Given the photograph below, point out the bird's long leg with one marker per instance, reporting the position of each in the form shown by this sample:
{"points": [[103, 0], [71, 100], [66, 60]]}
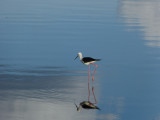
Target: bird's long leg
{"points": [[92, 84], [94, 95], [94, 71], [88, 84]]}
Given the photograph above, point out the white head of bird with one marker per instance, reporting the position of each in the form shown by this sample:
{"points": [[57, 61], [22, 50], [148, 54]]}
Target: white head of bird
{"points": [[79, 55]]}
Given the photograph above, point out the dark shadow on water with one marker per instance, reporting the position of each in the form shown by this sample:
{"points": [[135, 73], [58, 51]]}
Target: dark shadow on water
{"points": [[86, 105]]}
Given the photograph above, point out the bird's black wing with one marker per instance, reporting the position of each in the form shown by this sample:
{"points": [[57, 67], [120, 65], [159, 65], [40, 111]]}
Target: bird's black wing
{"points": [[88, 59]]}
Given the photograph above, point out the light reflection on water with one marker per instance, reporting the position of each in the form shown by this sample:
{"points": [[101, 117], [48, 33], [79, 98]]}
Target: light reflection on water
{"points": [[36, 94], [145, 15]]}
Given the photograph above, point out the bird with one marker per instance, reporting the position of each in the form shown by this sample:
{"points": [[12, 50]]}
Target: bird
{"points": [[86, 105], [88, 61]]}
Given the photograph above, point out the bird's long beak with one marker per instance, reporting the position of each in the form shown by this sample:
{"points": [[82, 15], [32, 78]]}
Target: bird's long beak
{"points": [[76, 57], [76, 105]]}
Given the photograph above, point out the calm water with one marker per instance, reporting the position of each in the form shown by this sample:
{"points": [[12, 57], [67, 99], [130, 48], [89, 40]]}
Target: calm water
{"points": [[39, 79]]}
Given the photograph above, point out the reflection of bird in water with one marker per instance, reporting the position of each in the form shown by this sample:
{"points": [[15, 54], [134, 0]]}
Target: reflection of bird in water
{"points": [[88, 61], [86, 105]]}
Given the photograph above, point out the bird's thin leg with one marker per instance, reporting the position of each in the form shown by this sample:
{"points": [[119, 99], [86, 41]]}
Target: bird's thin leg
{"points": [[94, 95], [88, 84], [94, 71]]}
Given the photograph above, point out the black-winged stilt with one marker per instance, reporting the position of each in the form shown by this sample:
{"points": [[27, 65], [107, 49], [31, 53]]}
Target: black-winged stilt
{"points": [[88, 61], [86, 105]]}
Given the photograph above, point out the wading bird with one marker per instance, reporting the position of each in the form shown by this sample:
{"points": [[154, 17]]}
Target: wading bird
{"points": [[88, 61]]}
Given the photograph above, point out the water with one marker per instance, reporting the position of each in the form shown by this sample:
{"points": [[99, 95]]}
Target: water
{"points": [[39, 40]]}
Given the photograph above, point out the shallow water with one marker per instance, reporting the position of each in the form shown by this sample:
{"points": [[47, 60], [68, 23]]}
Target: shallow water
{"points": [[39, 78]]}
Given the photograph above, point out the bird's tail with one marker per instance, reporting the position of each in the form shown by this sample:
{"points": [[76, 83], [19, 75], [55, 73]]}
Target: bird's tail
{"points": [[98, 59]]}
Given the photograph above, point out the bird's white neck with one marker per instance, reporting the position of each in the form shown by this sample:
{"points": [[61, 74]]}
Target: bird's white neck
{"points": [[80, 56]]}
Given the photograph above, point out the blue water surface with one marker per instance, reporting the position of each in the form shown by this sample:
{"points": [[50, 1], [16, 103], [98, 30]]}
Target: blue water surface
{"points": [[39, 78]]}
